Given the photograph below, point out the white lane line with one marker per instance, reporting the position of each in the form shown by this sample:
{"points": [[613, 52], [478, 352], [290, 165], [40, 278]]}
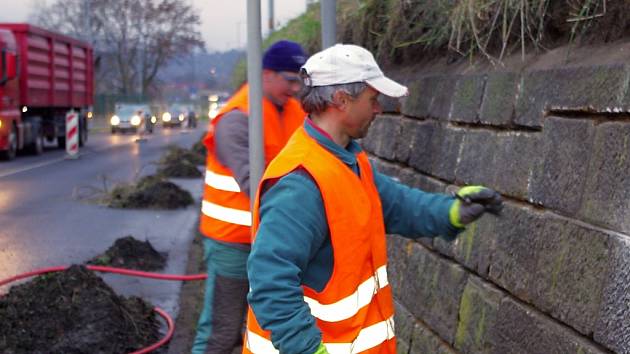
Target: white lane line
{"points": [[57, 160]]}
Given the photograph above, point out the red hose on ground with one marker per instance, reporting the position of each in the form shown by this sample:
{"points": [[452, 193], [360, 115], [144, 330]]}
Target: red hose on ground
{"points": [[167, 337], [122, 271]]}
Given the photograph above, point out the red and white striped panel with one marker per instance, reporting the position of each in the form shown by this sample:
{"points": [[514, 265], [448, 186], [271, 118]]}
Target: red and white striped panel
{"points": [[72, 133]]}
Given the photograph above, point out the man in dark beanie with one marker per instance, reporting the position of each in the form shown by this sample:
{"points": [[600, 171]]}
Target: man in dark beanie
{"points": [[225, 211]]}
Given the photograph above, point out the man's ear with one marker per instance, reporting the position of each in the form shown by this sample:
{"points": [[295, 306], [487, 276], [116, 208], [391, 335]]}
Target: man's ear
{"points": [[340, 99], [267, 74]]}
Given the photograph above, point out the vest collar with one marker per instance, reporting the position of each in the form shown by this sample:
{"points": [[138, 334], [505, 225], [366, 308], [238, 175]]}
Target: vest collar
{"points": [[347, 155]]}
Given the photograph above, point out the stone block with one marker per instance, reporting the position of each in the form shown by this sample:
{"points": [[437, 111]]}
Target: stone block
{"points": [[559, 177], [428, 184], [475, 246], [571, 272], [398, 252], [476, 163], [586, 89], [606, 198], [532, 98], [513, 262], [421, 92], [432, 290], [405, 325], [497, 106], [592, 88], [613, 326], [389, 104], [402, 348], [406, 140], [386, 168], [442, 97], [423, 151], [383, 136], [447, 148], [466, 99], [407, 177], [477, 317], [516, 157], [521, 329], [425, 341]]}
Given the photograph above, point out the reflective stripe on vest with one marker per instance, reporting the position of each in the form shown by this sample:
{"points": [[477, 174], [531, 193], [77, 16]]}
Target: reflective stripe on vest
{"points": [[222, 182], [234, 216], [369, 337], [225, 213], [350, 306]]}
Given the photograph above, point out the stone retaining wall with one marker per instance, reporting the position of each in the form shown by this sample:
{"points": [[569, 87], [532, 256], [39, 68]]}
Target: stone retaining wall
{"points": [[552, 274]]}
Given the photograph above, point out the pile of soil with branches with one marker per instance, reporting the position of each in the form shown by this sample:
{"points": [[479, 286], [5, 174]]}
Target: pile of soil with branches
{"points": [[73, 312], [200, 149], [180, 162], [152, 192], [128, 252]]}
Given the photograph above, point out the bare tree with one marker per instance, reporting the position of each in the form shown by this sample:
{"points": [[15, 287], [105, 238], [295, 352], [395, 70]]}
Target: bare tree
{"points": [[133, 39]]}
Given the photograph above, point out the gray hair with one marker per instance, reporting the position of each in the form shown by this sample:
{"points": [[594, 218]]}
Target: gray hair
{"points": [[316, 99]]}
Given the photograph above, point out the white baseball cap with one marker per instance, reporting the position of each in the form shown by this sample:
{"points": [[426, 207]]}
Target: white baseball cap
{"points": [[348, 63]]}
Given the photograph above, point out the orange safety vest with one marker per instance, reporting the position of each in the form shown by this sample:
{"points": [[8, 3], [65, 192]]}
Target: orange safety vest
{"points": [[225, 209], [355, 310]]}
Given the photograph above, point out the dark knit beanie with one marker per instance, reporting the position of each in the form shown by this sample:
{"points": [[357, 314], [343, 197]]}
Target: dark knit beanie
{"points": [[284, 56]]}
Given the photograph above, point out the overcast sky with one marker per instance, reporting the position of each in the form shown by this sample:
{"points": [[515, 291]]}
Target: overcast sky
{"points": [[223, 22]]}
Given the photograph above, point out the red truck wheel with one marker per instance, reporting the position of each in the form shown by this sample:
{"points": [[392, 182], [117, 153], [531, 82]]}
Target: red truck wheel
{"points": [[9, 154], [37, 147]]}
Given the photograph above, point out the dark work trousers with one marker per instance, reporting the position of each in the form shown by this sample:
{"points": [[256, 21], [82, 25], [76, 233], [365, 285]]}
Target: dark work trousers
{"points": [[220, 325]]}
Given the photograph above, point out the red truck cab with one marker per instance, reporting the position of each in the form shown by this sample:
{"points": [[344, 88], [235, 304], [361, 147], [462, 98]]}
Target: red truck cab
{"points": [[9, 93], [43, 75]]}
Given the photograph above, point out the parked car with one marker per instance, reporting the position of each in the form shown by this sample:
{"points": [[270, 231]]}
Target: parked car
{"points": [[132, 117]]}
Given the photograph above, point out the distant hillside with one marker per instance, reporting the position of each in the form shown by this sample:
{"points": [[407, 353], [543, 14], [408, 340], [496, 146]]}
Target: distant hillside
{"points": [[213, 69]]}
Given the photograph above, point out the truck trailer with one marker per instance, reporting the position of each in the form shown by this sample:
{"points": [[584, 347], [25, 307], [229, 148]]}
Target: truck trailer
{"points": [[43, 76]]}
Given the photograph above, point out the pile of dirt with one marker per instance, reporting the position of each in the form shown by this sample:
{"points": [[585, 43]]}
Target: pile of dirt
{"points": [[153, 192], [180, 162], [73, 312], [127, 252], [200, 148]]}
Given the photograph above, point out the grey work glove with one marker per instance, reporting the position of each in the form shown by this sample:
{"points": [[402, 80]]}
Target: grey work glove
{"points": [[472, 202]]}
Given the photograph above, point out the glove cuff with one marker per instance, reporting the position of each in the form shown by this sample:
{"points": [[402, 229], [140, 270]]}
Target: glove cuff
{"points": [[453, 214], [321, 349]]}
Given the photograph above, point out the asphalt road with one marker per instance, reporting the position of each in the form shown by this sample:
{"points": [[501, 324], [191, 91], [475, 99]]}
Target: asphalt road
{"points": [[46, 219]]}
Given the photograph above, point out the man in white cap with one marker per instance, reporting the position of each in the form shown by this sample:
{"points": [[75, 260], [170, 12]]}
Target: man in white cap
{"points": [[317, 270]]}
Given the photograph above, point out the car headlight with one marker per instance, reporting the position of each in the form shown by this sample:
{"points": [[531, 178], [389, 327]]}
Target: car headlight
{"points": [[114, 120], [181, 117], [166, 117], [135, 120], [153, 119]]}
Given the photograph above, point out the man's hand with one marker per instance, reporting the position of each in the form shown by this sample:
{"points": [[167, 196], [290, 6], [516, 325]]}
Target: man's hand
{"points": [[472, 202], [321, 349]]}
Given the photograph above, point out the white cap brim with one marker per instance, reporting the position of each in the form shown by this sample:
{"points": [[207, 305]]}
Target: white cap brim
{"points": [[388, 87]]}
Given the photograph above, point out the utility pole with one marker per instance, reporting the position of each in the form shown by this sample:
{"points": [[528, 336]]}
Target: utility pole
{"points": [[254, 79], [328, 10], [271, 16], [87, 30]]}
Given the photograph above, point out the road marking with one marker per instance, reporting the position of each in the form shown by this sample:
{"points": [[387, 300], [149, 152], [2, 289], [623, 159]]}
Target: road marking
{"points": [[37, 165], [59, 159]]}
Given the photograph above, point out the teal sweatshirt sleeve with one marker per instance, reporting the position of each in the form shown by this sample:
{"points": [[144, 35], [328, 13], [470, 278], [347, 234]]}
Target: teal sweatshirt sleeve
{"points": [[292, 230], [413, 213]]}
